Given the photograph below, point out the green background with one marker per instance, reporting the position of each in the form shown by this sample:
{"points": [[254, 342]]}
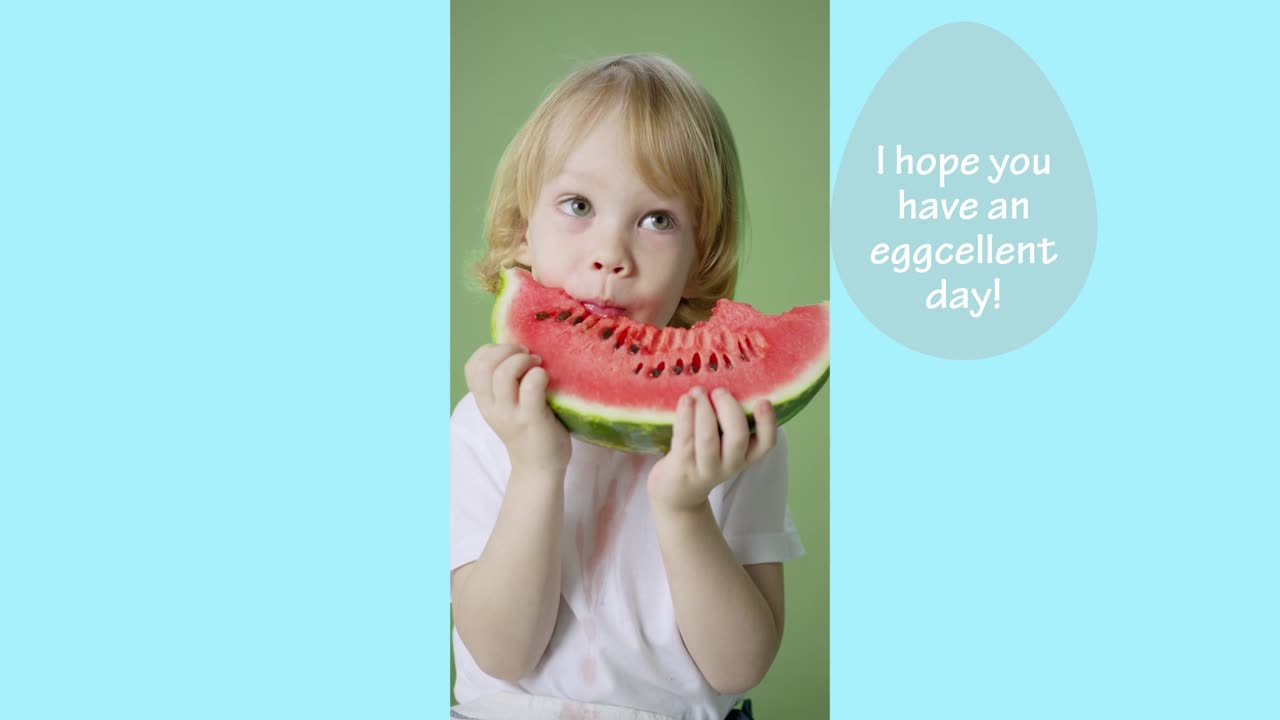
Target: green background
{"points": [[766, 64]]}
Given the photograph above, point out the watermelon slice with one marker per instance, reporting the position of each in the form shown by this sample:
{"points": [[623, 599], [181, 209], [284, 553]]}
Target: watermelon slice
{"points": [[615, 382]]}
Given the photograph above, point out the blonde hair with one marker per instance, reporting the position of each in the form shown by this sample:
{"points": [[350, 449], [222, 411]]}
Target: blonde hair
{"points": [[680, 140]]}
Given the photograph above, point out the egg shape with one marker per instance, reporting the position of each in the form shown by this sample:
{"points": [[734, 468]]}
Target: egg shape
{"points": [[963, 219]]}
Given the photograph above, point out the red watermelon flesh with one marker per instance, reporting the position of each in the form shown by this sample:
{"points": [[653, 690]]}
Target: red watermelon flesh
{"points": [[616, 382]]}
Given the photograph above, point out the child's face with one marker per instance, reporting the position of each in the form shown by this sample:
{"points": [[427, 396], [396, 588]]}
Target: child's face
{"points": [[598, 232]]}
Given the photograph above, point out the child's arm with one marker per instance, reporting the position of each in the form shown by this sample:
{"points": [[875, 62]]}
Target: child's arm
{"points": [[505, 603], [730, 616]]}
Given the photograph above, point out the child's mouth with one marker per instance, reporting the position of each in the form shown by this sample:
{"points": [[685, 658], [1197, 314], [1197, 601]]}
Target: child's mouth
{"points": [[609, 311]]}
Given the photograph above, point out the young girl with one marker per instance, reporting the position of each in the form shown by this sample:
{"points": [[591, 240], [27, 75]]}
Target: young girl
{"points": [[587, 582]]}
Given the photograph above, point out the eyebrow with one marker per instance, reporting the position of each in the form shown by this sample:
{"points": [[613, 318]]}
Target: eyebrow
{"points": [[577, 178], [585, 180]]}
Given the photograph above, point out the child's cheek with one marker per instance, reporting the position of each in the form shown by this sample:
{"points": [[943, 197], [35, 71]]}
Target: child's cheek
{"points": [[571, 224], [672, 245]]}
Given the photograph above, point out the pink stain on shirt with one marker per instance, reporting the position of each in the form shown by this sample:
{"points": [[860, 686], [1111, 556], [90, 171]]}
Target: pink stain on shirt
{"points": [[618, 491], [574, 711], [612, 490]]}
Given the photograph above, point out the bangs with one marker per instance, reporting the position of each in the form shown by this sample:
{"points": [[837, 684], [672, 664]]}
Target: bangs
{"points": [[675, 154], [671, 131]]}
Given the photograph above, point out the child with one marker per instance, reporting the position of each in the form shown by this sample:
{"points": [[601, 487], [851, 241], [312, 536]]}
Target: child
{"points": [[587, 582]]}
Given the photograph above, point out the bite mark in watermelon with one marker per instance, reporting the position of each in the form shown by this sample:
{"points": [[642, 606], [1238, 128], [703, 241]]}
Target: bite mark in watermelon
{"points": [[615, 382]]}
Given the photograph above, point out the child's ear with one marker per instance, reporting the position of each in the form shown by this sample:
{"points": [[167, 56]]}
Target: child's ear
{"points": [[522, 252]]}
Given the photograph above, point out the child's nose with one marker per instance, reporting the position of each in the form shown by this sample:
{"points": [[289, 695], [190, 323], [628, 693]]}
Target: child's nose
{"points": [[610, 255], [616, 267]]}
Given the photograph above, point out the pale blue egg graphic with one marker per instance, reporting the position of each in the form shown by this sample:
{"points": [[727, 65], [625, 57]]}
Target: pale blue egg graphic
{"points": [[964, 222]]}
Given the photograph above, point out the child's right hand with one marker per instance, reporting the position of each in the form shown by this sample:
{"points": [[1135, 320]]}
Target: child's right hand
{"points": [[511, 391]]}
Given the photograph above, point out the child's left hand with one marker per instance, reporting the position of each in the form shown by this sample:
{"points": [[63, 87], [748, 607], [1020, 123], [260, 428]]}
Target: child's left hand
{"points": [[709, 444]]}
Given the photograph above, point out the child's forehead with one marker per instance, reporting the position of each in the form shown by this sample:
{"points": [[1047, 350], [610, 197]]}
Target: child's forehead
{"points": [[573, 125], [567, 157], [583, 173], [588, 180]]}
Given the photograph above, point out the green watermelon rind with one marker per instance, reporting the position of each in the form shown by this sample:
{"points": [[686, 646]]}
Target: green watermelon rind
{"points": [[623, 433], [620, 433]]}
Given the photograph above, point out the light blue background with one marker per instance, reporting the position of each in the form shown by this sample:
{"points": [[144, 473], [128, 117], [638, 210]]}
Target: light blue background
{"points": [[223, 397], [222, 421], [1085, 527]]}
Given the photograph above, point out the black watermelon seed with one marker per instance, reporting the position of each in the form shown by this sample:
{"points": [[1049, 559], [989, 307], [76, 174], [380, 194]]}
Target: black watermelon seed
{"points": [[578, 320], [657, 371], [542, 316], [678, 367], [563, 314], [634, 348], [742, 356], [606, 333], [712, 364]]}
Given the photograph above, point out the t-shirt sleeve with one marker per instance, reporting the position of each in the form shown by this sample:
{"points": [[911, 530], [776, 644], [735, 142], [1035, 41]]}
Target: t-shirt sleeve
{"points": [[478, 472], [753, 511]]}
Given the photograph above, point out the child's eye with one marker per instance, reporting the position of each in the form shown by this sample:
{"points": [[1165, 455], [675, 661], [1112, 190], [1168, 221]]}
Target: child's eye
{"points": [[658, 221], [578, 206]]}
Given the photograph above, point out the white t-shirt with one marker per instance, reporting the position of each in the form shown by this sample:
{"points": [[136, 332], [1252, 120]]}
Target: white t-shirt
{"points": [[615, 640]]}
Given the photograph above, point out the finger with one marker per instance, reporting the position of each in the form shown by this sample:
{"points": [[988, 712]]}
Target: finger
{"points": [[506, 378], [733, 423], [682, 430], [479, 368], [766, 434], [706, 435], [533, 388], [486, 357]]}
